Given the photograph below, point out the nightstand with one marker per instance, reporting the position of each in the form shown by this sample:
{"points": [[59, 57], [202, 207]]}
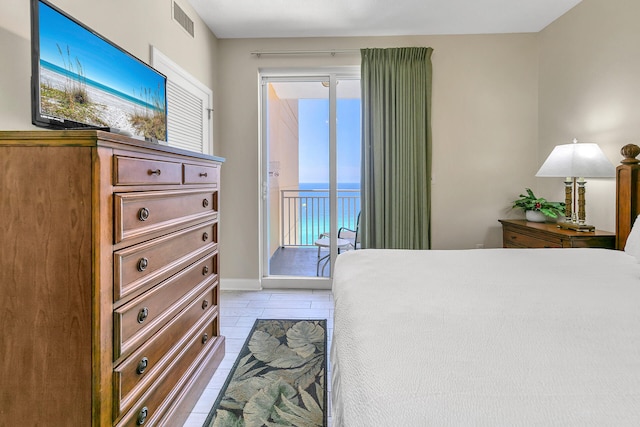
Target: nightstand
{"points": [[518, 233]]}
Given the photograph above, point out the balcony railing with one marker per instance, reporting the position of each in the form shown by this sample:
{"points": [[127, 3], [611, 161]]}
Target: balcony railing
{"points": [[304, 214]]}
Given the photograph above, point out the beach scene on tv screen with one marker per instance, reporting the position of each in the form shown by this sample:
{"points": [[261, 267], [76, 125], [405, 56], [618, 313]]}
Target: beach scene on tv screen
{"points": [[87, 80]]}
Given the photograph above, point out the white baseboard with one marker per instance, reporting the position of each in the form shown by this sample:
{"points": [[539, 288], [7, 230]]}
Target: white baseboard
{"points": [[240, 285]]}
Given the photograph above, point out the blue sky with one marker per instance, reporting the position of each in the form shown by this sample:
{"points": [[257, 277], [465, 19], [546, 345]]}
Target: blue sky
{"points": [[313, 128], [100, 61]]}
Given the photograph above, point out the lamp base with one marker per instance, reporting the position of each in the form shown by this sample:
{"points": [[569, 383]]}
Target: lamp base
{"points": [[576, 227]]}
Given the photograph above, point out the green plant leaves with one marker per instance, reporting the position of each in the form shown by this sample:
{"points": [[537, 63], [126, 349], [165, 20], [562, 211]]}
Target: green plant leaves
{"points": [[260, 407], [279, 377], [530, 202], [269, 350], [227, 419], [310, 415], [304, 338]]}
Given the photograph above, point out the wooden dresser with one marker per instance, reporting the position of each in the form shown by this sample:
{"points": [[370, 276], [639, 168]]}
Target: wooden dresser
{"points": [[109, 269], [523, 234]]}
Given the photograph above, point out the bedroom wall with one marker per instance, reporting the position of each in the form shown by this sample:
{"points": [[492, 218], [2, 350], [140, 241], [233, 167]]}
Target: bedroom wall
{"points": [[134, 26], [590, 90], [501, 103], [485, 123]]}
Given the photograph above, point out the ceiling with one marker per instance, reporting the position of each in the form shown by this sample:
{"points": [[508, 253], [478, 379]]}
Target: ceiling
{"points": [[340, 18]]}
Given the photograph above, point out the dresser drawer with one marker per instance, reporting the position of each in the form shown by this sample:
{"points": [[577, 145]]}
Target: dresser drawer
{"points": [[139, 319], [140, 267], [135, 171], [140, 214], [135, 373], [521, 240], [159, 396], [198, 174]]}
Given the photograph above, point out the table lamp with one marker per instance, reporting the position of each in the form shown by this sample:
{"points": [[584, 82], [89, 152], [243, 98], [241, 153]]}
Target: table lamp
{"points": [[575, 162]]}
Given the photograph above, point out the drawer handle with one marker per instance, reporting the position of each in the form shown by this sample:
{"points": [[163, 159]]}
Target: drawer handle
{"points": [[205, 338], [143, 214], [205, 236], [205, 304], [156, 172], [142, 314], [203, 174], [143, 263], [205, 270], [142, 365], [142, 416], [205, 203]]}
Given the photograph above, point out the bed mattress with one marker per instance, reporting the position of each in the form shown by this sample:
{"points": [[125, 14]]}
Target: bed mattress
{"points": [[495, 337]]}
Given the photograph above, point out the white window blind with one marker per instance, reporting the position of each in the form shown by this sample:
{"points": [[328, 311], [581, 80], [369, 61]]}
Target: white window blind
{"points": [[189, 103]]}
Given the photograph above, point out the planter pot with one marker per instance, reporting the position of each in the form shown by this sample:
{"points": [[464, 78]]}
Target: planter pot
{"points": [[535, 216]]}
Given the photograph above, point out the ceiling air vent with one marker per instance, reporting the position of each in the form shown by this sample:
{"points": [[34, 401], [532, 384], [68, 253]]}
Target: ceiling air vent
{"points": [[182, 18]]}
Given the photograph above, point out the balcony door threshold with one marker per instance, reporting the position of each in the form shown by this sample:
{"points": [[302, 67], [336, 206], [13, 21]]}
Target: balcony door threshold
{"points": [[294, 282]]}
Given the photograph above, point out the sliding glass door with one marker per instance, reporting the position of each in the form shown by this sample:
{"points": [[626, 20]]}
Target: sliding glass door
{"points": [[311, 172]]}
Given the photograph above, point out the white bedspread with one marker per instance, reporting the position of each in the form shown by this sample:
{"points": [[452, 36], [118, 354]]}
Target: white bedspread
{"points": [[491, 337]]}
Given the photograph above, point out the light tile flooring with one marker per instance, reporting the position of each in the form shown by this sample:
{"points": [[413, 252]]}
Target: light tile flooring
{"points": [[239, 311]]}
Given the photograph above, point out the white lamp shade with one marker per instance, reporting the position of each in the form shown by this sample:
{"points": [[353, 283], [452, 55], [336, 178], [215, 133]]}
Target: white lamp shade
{"points": [[584, 160]]}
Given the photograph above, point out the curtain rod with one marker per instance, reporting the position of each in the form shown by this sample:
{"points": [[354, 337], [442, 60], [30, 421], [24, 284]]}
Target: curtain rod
{"points": [[331, 52]]}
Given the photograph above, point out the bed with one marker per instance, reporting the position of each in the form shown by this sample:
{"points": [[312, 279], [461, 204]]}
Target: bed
{"points": [[492, 337]]}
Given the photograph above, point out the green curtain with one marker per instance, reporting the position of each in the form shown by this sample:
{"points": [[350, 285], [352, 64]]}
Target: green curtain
{"points": [[396, 148]]}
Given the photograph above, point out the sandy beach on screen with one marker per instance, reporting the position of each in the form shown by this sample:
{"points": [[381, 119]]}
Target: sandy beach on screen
{"points": [[110, 108]]}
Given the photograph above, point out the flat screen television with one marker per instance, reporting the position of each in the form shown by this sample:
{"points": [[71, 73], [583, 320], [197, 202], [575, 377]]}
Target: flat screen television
{"points": [[81, 80]]}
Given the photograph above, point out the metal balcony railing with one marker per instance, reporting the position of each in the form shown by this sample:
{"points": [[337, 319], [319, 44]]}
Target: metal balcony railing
{"points": [[304, 214]]}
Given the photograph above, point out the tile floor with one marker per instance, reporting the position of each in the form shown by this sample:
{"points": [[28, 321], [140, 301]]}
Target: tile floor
{"points": [[239, 310]]}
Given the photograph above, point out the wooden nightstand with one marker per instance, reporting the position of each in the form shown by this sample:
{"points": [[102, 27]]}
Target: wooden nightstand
{"points": [[518, 233]]}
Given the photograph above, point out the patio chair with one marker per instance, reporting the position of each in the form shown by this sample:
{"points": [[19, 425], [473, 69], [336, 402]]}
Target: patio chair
{"points": [[351, 235], [324, 241], [347, 239]]}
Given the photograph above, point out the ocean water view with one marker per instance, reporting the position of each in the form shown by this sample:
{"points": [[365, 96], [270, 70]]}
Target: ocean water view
{"points": [[307, 211]]}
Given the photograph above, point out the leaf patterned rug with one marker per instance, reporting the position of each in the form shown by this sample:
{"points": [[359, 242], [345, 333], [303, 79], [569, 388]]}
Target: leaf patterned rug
{"points": [[279, 378]]}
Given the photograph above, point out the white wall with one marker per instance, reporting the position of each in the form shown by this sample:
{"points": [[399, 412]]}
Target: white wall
{"points": [[501, 102], [500, 105], [133, 25], [590, 89], [484, 124]]}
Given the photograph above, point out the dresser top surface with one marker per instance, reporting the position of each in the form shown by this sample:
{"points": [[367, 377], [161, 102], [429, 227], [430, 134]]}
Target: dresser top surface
{"points": [[552, 227], [90, 138]]}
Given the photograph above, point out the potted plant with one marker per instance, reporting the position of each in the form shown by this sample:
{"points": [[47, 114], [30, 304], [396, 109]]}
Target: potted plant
{"points": [[538, 209]]}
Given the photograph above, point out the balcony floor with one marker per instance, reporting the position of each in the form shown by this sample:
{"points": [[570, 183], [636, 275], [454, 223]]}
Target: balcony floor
{"points": [[297, 261]]}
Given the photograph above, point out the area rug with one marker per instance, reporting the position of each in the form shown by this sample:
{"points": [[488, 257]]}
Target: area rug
{"points": [[279, 378]]}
